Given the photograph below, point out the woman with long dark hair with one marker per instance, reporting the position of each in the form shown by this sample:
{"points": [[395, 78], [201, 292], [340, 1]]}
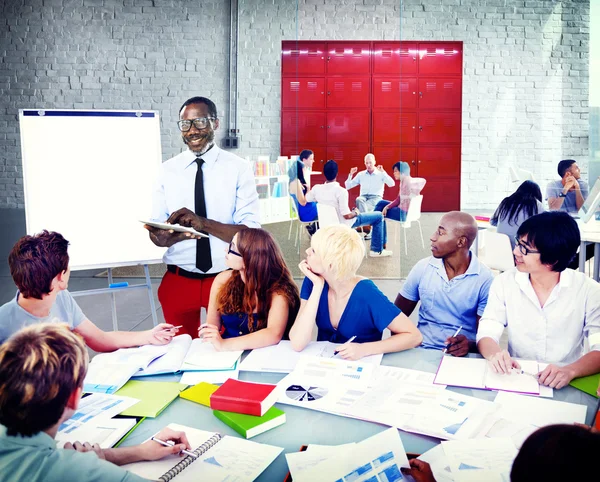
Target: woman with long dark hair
{"points": [[253, 304], [525, 202], [307, 211]]}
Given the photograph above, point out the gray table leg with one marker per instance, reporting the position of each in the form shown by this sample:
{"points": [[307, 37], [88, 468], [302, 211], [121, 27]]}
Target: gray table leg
{"points": [[596, 261], [582, 256]]}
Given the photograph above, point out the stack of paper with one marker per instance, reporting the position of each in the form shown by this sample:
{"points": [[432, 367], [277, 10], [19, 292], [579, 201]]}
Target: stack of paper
{"points": [[380, 457]]}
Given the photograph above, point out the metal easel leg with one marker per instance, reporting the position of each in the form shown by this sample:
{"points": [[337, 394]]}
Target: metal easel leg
{"points": [[150, 295], [113, 301]]}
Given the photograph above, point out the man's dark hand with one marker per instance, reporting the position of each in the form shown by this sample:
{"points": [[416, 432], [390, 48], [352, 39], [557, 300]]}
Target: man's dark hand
{"points": [[165, 238], [185, 217], [420, 471], [459, 345]]}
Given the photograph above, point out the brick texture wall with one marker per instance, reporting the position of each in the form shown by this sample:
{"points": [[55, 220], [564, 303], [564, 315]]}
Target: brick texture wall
{"points": [[525, 92]]}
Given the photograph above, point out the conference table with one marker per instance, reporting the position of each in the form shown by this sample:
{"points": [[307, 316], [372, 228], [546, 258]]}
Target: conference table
{"points": [[304, 426]]}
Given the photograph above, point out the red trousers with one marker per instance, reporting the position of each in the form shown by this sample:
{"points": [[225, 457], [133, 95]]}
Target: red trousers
{"points": [[181, 299]]}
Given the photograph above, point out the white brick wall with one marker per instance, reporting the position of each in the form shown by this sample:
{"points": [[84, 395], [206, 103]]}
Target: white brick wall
{"points": [[525, 92]]}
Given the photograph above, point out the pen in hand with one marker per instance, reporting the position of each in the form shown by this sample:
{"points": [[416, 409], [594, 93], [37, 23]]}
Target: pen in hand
{"points": [[349, 341], [453, 336], [170, 443]]}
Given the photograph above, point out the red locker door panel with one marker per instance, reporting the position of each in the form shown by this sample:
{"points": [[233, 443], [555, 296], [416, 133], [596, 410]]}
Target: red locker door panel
{"points": [[303, 93], [348, 92], [398, 58], [387, 156], [395, 127], [303, 57], [440, 196], [439, 128], [440, 93], [440, 58], [349, 58], [348, 127], [439, 163], [391, 93], [304, 127]]}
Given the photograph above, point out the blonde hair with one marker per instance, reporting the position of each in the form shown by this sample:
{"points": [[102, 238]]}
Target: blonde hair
{"points": [[340, 248], [40, 367]]}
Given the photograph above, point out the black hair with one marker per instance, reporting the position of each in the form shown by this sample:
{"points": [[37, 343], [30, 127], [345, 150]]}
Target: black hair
{"points": [[555, 235], [212, 108], [525, 199], [556, 453], [305, 154], [564, 165], [330, 170], [297, 172], [396, 166]]}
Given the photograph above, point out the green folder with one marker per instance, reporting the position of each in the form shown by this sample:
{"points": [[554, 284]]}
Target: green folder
{"points": [[153, 397], [587, 384], [249, 425]]}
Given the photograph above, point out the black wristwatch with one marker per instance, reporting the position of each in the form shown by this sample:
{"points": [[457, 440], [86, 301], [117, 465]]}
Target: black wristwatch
{"points": [[562, 194]]}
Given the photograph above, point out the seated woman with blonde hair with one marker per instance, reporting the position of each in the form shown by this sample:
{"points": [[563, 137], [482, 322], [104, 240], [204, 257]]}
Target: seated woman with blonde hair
{"points": [[344, 305], [251, 305]]}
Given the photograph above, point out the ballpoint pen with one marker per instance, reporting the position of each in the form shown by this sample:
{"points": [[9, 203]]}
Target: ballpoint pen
{"points": [[349, 341], [455, 334], [520, 371], [170, 443]]}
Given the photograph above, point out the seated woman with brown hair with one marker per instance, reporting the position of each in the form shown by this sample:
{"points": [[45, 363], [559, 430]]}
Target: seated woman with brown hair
{"points": [[253, 304]]}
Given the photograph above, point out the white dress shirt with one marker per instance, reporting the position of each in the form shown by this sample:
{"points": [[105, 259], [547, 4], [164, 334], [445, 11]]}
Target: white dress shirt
{"points": [[371, 183], [554, 333], [229, 192], [332, 194]]}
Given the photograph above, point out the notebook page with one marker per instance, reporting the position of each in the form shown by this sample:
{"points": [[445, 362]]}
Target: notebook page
{"points": [[171, 361], [461, 372], [203, 356], [515, 382]]}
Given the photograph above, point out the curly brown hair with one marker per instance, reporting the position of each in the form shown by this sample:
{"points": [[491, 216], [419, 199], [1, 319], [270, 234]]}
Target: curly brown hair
{"points": [[266, 275]]}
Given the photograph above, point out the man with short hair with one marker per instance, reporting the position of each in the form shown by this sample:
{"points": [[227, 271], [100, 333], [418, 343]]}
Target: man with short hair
{"points": [[212, 191], [549, 309], [371, 182], [570, 191], [452, 286], [39, 266], [42, 369], [332, 194]]}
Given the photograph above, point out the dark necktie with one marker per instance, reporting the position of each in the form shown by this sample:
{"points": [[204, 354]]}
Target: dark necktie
{"points": [[203, 257]]}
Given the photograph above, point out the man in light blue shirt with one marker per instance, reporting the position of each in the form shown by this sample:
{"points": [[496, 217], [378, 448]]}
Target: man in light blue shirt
{"points": [[371, 183], [212, 191], [42, 369], [452, 286]]}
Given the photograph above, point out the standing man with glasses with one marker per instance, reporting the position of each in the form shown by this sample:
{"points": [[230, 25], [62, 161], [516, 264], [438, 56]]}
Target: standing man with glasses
{"points": [[212, 191], [549, 309]]}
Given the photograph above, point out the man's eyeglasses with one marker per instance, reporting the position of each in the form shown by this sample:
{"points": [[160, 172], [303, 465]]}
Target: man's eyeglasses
{"points": [[524, 249], [231, 251], [199, 123]]}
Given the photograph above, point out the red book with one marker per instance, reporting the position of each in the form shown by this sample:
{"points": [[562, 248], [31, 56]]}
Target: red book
{"points": [[244, 397]]}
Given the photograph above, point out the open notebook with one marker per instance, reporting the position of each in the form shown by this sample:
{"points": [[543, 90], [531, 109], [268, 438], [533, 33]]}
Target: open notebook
{"points": [[219, 458], [110, 371]]}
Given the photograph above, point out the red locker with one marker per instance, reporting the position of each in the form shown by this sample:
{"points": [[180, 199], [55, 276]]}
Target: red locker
{"points": [[349, 58], [440, 196], [347, 92], [349, 127], [304, 127], [390, 93], [440, 58], [397, 58], [303, 93], [440, 93], [439, 127], [303, 58], [395, 127], [439, 163]]}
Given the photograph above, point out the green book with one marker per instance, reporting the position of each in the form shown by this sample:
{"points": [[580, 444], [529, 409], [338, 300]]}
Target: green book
{"points": [[249, 425], [587, 384]]}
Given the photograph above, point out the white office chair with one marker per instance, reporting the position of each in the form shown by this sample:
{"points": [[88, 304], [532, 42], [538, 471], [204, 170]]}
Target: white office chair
{"points": [[328, 217], [498, 253], [413, 214], [299, 225]]}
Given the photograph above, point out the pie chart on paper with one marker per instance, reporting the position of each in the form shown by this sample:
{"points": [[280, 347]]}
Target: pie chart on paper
{"points": [[303, 394]]}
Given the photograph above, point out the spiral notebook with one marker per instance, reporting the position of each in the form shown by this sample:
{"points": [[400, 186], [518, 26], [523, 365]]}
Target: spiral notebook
{"points": [[220, 458]]}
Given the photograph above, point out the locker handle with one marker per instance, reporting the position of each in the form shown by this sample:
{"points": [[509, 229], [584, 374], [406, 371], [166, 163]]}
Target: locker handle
{"points": [[420, 128], [328, 127], [413, 162], [414, 59], [322, 127], [419, 161], [328, 93], [420, 94], [322, 93]]}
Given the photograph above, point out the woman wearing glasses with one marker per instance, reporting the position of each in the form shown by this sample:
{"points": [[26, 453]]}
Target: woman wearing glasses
{"points": [[346, 308], [252, 304]]}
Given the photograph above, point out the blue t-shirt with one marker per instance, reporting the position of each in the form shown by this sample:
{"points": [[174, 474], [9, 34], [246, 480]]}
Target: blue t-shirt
{"points": [[447, 304], [366, 315], [13, 317], [236, 324]]}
